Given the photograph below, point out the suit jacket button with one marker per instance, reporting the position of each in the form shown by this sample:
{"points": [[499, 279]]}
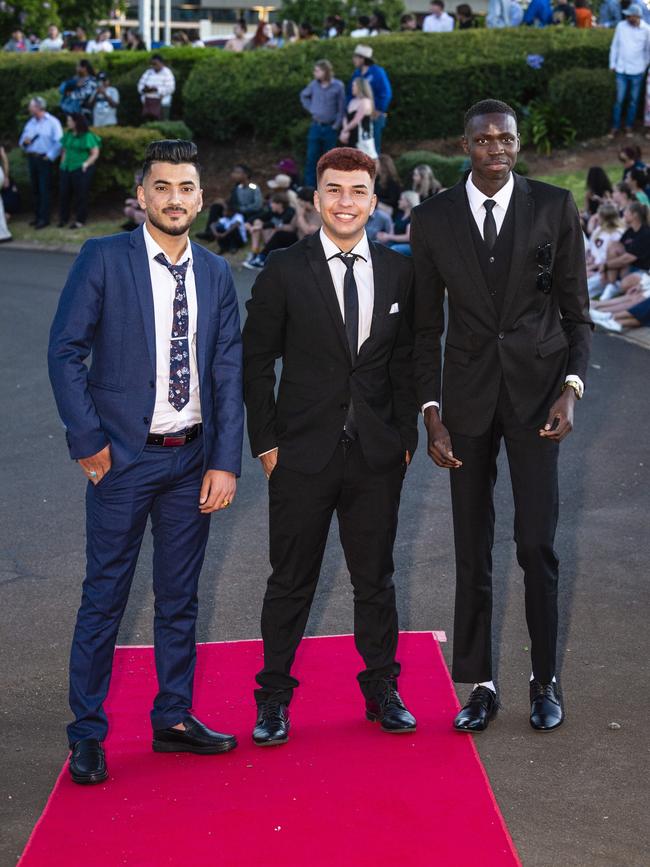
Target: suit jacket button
{"points": [[146, 419], [491, 260], [501, 335], [151, 383], [344, 406]]}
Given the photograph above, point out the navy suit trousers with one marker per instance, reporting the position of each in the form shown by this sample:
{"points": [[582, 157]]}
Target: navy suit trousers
{"points": [[163, 483]]}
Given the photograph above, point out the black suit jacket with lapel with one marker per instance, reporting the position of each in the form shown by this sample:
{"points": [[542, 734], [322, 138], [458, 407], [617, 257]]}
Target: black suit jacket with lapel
{"points": [[536, 340], [294, 314]]}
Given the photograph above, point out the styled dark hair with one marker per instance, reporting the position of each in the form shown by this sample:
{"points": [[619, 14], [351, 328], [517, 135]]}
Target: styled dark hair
{"points": [[245, 169], [346, 160], [380, 19], [87, 65], [440, 3], [281, 198], [174, 151], [363, 20], [158, 57], [639, 176], [632, 152], [488, 106], [306, 194], [598, 182], [80, 122]]}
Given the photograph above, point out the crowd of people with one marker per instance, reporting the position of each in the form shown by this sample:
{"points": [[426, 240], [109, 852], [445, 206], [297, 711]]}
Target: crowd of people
{"points": [[615, 219]]}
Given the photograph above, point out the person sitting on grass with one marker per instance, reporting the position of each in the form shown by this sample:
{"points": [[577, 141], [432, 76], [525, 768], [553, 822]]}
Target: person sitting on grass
{"points": [[635, 316], [631, 253], [245, 198], [638, 180], [400, 238], [134, 214], [229, 231], [608, 230], [425, 183], [598, 190], [280, 217]]}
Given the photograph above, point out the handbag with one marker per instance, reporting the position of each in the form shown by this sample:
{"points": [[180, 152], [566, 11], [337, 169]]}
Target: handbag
{"points": [[366, 142], [11, 199], [152, 108]]}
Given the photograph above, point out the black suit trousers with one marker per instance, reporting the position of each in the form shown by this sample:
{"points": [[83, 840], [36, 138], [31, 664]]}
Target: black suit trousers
{"points": [[300, 513], [534, 477]]}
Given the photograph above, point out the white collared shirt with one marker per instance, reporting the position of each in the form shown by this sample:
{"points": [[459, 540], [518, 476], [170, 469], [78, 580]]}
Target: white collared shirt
{"points": [[629, 53], [165, 418], [438, 23], [477, 201], [363, 278]]}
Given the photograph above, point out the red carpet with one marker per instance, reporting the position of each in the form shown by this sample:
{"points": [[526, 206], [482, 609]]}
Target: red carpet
{"points": [[341, 793]]}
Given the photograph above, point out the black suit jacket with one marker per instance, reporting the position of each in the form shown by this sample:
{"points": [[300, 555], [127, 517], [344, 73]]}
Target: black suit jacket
{"points": [[294, 314], [536, 340]]}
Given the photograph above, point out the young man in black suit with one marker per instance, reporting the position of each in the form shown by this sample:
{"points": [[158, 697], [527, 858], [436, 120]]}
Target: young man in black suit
{"points": [[339, 435], [510, 254]]}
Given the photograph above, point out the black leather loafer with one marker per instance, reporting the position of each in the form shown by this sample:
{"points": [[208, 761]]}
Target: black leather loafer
{"points": [[388, 709], [481, 707], [195, 738], [546, 711], [88, 763], [272, 725]]}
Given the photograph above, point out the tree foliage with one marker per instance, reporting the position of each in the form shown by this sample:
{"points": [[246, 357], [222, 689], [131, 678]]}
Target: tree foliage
{"points": [[34, 16], [315, 11]]}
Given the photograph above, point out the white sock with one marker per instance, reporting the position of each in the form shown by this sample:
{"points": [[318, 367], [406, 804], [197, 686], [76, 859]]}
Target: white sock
{"points": [[489, 684], [553, 680]]}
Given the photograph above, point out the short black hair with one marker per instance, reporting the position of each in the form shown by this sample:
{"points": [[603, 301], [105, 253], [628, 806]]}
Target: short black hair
{"points": [[170, 150], [158, 57], [488, 106], [247, 170]]}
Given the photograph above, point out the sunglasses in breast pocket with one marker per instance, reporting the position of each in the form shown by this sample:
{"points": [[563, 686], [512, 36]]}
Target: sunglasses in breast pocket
{"points": [[544, 259]]}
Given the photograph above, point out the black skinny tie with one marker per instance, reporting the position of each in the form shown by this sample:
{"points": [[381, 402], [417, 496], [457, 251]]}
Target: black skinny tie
{"points": [[350, 302], [489, 224]]}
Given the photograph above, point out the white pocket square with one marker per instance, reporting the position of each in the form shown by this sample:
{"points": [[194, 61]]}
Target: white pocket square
{"points": [[394, 308]]}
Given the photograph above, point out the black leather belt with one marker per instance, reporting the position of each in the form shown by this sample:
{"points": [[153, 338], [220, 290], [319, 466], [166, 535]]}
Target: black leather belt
{"points": [[181, 438]]}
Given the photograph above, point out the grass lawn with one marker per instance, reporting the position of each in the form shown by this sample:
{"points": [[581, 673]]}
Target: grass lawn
{"points": [[575, 181]]}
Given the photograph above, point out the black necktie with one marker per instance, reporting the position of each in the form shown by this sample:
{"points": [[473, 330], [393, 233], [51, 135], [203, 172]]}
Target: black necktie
{"points": [[489, 224], [350, 302]]}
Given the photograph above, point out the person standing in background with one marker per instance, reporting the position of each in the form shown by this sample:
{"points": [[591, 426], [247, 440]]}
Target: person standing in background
{"points": [[324, 99], [629, 56], [382, 91], [438, 21], [41, 141], [156, 88], [79, 153], [53, 41]]}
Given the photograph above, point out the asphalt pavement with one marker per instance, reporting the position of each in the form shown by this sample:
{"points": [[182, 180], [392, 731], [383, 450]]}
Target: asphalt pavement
{"points": [[578, 796]]}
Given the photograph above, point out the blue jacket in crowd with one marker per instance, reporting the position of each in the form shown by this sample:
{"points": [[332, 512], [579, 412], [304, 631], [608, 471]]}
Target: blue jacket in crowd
{"points": [[538, 13]]}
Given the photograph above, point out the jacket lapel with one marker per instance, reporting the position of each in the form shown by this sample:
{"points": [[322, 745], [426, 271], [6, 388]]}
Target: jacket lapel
{"points": [[320, 268], [459, 217], [524, 216], [381, 286], [144, 292], [203, 298]]}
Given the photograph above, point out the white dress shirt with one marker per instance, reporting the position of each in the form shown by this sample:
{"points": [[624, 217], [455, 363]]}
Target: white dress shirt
{"points": [[629, 53], [438, 23], [165, 418], [477, 201]]}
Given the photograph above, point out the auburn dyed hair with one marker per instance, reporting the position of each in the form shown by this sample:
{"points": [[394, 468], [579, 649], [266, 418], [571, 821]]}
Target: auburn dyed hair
{"points": [[346, 160]]}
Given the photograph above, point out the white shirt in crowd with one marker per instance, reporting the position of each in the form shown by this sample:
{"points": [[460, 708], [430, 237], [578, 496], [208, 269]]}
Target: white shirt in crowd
{"points": [[476, 201], [438, 23], [94, 46], [105, 114], [599, 241], [359, 33], [163, 81], [629, 53], [49, 44], [165, 418]]}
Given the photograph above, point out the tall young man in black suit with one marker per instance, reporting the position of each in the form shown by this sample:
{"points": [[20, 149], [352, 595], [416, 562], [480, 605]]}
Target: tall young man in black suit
{"points": [[510, 254], [338, 437]]}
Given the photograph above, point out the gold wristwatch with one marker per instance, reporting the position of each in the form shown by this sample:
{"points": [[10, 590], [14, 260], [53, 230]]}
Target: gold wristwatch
{"points": [[577, 388]]}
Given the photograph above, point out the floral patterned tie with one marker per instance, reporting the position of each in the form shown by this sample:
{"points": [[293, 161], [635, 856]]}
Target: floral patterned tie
{"points": [[179, 350]]}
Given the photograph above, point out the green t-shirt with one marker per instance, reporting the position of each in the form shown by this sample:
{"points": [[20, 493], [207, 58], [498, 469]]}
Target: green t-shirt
{"points": [[77, 148]]}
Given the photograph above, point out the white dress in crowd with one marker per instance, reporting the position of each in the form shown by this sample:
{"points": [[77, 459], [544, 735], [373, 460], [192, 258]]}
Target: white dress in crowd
{"points": [[4, 231]]}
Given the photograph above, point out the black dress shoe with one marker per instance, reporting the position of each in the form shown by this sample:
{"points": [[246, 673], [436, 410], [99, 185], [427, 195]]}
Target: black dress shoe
{"points": [[388, 708], [272, 725], [194, 738], [41, 225], [87, 762], [546, 712], [481, 707]]}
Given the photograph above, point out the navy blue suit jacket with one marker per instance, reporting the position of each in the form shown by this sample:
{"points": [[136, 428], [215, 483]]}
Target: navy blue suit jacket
{"points": [[107, 307]]}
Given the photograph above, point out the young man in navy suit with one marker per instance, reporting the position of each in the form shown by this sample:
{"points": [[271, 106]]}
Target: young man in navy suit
{"points": [[156, 425]]}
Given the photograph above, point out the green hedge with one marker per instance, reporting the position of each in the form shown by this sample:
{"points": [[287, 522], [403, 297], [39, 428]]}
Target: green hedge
{"points": [[435, 78], [585, 98], [22, 75]]}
